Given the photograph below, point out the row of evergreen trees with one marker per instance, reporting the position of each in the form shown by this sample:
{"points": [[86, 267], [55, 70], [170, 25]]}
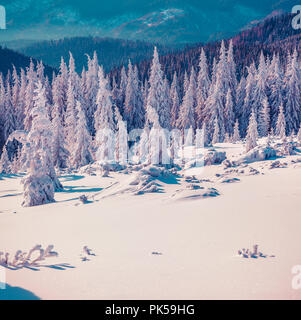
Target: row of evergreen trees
{"points": [[78, 106]]}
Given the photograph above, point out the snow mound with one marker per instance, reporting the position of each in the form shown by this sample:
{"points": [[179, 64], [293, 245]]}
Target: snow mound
{"points": [[286, 148], [230, 180], [196, 194], [259, 153]]}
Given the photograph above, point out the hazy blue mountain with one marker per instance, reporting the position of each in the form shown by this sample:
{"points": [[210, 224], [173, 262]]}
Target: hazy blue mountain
{"points": [[167, 21]]}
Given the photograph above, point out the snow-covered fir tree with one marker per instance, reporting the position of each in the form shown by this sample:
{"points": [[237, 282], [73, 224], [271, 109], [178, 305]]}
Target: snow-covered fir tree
{"points": [[281, 124], [275, 88], [41, 181], [133, 107], [252, 132], [157, 98], [292, 94], [29, 94], [103, 117], [216, 133], [60, 152], [81, 153], [186, 117], [121, 141], [236, 134], [175, 101], [203, 86], [70, 117], [4, 162], [229, 113], [264, 118]]}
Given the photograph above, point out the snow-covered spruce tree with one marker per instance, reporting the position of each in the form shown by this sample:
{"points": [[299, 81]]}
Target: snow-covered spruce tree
{"points": [[215, 112], [252, 133], [232, 71], [29, 94], [240, 97], [90, 89], [4, 162], [203, 86], [264, 118], [103, 117], [175, 101], [70, 117], [216, 101], [9, 115], [15, 96], [121, 142], [249, 98], [122, 90], [193, 85], [20, 104], [186, 117], [38, 187], [14, 166], [81, 154], [229, 113], [281, 124], [104, 122], [275, 88], [60, 153], [157, 98], [292, 94], [185, 83], [41, 181], [133, 107], [216, 133], [236, 135], [260, 88]]}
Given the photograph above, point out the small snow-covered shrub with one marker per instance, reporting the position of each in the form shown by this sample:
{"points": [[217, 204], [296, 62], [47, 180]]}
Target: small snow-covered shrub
{"points": [[214, 157], [83, 199], [248, 253], [32, 258]]}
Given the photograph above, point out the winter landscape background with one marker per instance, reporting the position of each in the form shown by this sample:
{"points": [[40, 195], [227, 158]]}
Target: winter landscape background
{"points": [[156, 169]]}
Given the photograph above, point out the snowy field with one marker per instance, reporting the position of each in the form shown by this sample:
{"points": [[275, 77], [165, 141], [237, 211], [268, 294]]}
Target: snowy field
{"points": [[180, 241]]}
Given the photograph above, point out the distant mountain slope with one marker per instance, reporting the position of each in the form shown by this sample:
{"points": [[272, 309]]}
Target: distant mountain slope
{"points": [[10, 58], [111, 52], [274, 34]]}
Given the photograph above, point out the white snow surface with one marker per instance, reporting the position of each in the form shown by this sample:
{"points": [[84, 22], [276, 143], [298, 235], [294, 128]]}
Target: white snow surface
{"points": [[197, 221]]}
